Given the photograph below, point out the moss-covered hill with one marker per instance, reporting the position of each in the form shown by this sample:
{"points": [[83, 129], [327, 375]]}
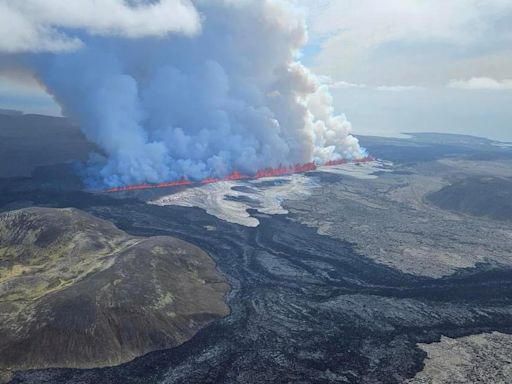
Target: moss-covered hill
{"points": [[75, 291]]}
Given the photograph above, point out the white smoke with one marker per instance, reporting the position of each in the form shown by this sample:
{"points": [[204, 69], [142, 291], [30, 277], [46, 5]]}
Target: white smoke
{"points": [[204, 101]]}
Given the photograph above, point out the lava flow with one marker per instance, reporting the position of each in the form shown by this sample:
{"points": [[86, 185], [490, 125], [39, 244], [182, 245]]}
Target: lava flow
{"points": [[262, 173]]}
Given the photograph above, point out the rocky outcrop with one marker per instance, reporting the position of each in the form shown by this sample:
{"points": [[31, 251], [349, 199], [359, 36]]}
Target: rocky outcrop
{"points": [[75, 291], [482, 358]]}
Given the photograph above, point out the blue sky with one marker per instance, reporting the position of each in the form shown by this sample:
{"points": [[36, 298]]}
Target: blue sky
{"points": [[17, 92], [409, 65], [392, 66]]}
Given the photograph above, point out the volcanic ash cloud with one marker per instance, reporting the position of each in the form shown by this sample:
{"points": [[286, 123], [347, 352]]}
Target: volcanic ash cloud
{"points": [[223, 91]]}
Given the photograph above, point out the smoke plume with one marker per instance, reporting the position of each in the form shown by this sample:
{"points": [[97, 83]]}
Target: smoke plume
{"points": [[223, 91]]}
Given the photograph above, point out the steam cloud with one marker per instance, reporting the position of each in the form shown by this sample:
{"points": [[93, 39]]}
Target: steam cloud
{"points": [[223, 90]]}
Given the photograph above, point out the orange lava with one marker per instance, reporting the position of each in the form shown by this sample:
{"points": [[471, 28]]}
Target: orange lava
{"points": [[267, 172]]}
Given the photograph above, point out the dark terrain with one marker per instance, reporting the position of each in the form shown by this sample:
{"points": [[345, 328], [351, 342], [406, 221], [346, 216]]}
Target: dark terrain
{"points": [[479, 196], [27, 141], [305, 308]]}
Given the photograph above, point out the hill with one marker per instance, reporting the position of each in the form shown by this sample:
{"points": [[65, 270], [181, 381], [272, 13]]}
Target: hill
{"points": [[478, 196], [75, 291]]}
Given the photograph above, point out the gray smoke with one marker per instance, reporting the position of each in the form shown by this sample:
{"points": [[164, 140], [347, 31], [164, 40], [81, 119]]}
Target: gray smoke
{"points": [[196, 100]]}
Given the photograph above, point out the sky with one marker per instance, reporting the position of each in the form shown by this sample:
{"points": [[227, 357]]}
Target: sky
{"points": [[42, 26], [392, 66], [416, 65]]}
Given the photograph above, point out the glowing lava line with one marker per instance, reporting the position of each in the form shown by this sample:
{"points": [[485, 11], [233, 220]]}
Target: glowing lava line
{"points": [[262, 173]]}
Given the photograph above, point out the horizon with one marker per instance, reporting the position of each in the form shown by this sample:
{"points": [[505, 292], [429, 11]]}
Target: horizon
{"points": [[400, 135]]}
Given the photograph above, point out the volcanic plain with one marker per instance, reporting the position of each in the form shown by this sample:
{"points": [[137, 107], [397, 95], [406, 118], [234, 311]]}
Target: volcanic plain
{"points": [[361, 275]]}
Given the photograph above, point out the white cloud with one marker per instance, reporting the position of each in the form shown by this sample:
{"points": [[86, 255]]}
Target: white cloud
{"points": [[35, 25], [481, 83], [389, 46], [340, 84], [410, 41], [328, 81], [345, 84], [398, 88]]}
